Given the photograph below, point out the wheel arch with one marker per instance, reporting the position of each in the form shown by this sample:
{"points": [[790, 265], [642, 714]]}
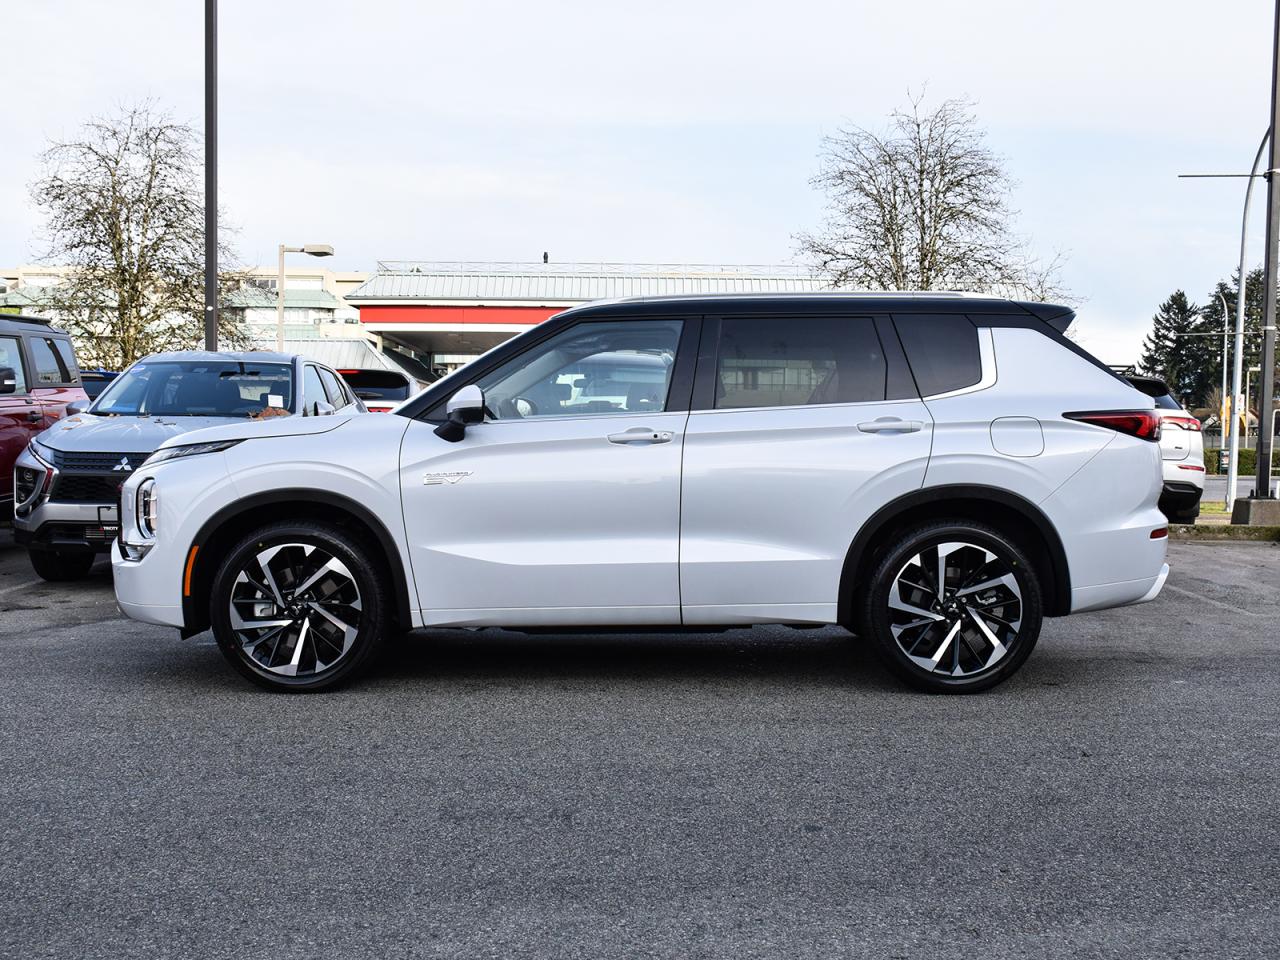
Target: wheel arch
{"points": [[233, 521], [1013, 515]]}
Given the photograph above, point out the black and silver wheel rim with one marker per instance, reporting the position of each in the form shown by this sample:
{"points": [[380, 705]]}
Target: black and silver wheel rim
{"points": [[955, 609], [295, 610]]}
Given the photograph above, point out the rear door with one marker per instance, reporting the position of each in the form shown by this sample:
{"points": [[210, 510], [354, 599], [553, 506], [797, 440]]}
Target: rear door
{"points": [[21, 417], [56, 378], [803, 426]]}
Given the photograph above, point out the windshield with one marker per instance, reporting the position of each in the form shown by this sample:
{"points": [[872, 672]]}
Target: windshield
{"points": [[199, 388], [377, 384]]}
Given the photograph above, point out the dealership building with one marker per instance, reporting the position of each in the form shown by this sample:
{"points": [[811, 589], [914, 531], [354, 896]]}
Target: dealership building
{"points": [[445, 314]]}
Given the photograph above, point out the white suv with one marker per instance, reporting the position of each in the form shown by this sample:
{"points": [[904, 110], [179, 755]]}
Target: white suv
{"points": [[1181, 451], [934, 472]]}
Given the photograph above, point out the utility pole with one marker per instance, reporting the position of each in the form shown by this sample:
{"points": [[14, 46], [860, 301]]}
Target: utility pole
{"points": [[1266, 424], [211, 174]]}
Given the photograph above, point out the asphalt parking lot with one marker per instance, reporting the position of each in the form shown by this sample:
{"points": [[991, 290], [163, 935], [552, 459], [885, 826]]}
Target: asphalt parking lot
{"points": [[763, 793]]}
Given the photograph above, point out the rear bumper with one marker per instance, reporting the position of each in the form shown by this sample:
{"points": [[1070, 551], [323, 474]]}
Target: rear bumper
{"points": [[1103, 596], [1180, 496]]}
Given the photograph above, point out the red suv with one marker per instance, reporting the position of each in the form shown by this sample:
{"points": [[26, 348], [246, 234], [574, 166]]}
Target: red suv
{"points": [[38, 378]]}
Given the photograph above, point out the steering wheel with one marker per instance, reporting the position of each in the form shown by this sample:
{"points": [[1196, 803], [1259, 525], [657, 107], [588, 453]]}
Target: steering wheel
{"points": [[517, 408]]}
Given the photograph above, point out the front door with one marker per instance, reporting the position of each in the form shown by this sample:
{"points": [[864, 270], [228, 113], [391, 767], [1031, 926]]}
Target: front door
{"points": [[21, 417], [563, 506], [802, 428]]}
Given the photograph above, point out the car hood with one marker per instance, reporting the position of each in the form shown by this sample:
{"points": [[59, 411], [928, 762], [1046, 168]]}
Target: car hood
{"points": [[294, 426], [85, 433]]}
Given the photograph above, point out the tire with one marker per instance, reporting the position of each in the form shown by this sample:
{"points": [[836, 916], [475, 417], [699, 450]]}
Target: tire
{"points": [[58, 567], [1185, 516], [952, 645], [310, 608]]}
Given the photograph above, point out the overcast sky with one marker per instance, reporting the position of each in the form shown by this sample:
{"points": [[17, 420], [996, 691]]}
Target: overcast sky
{"points": [[682, 131]]}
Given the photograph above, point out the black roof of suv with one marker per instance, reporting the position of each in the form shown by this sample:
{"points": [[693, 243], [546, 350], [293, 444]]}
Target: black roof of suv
{"points": [[25, 323]]}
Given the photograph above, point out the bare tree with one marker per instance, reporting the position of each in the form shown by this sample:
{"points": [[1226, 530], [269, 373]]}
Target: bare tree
{"points": [[921, 207], [124, 210]]}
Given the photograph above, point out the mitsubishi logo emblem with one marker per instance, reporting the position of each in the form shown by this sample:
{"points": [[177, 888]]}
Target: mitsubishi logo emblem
{"points": [[123, 465]]}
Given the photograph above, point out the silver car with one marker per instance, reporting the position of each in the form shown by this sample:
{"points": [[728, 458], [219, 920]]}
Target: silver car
{"points": [[67, 482]]}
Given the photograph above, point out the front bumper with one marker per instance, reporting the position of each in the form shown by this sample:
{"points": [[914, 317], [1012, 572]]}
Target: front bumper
{"points": [[68, 528], [141, 594], [47, 521]]}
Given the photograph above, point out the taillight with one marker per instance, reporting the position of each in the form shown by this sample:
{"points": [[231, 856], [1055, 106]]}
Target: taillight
{"points": [[1186, 423], [1143, 424]]}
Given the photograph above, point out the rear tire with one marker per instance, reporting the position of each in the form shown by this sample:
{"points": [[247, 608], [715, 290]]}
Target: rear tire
{"points": [[58, 567], [974, 632], [299, 606]]}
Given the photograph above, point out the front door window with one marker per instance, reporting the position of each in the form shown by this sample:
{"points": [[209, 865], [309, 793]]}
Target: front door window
{"points": [[615, 367]]}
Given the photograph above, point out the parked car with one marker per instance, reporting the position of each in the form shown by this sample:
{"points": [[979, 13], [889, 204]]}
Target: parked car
{"points": [[38, 379], [95, 381], [381, 390], [1181, 451], [68, 479], [936, 473]]}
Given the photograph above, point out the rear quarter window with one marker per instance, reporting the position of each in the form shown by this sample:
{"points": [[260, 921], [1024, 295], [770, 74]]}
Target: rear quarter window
{"points": [[942, 351]]}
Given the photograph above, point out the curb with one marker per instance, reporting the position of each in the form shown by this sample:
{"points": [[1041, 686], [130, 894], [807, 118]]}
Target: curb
{"points": [[1224, 531]]}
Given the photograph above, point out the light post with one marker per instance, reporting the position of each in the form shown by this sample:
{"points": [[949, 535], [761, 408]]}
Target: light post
{"points": [[311, 250], [1226, 352], [1237, 372], [211, 174]]}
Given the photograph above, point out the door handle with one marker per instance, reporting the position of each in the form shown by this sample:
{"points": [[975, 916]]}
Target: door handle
{"points": [[641, 435], [890, 425]]}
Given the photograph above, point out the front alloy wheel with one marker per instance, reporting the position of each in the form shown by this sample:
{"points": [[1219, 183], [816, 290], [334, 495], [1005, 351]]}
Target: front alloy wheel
{"points": [[295, 607], [956, 608]]}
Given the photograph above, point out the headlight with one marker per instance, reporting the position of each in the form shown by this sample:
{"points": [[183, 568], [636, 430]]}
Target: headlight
{"points": [[148, 511], [189, 450]]}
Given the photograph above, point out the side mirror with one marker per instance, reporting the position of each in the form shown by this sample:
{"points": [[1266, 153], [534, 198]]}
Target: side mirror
{"points": [[465, 406], [77, 406], [322, 409], [8, 380]]}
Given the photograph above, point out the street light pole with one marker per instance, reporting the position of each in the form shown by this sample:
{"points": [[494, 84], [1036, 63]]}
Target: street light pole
{"points": [[211, 174], [312, 250], [1266, 426], [1222, 396], [1237, 371]]}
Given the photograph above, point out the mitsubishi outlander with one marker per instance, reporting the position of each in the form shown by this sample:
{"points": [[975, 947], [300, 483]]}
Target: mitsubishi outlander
{"points": [[935, 472]]}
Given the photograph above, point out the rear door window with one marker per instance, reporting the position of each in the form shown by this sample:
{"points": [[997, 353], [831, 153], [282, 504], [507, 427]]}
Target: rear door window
{"points": [[68, 358], [942, 350], [336, 395], [798, 361], [313, 389], [49, 369]]}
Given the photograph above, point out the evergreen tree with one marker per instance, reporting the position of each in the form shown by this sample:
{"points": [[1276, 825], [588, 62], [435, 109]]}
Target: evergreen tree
{"points": [[1174, 353], [1253, 298]]}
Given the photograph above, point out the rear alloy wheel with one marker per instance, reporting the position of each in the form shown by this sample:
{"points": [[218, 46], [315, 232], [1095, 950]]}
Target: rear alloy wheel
{"points": [[954, 607], [298, 607]]}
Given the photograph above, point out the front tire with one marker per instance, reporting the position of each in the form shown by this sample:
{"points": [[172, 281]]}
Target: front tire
{"points": [[58, 567], [953, 607], [298, 606]]}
